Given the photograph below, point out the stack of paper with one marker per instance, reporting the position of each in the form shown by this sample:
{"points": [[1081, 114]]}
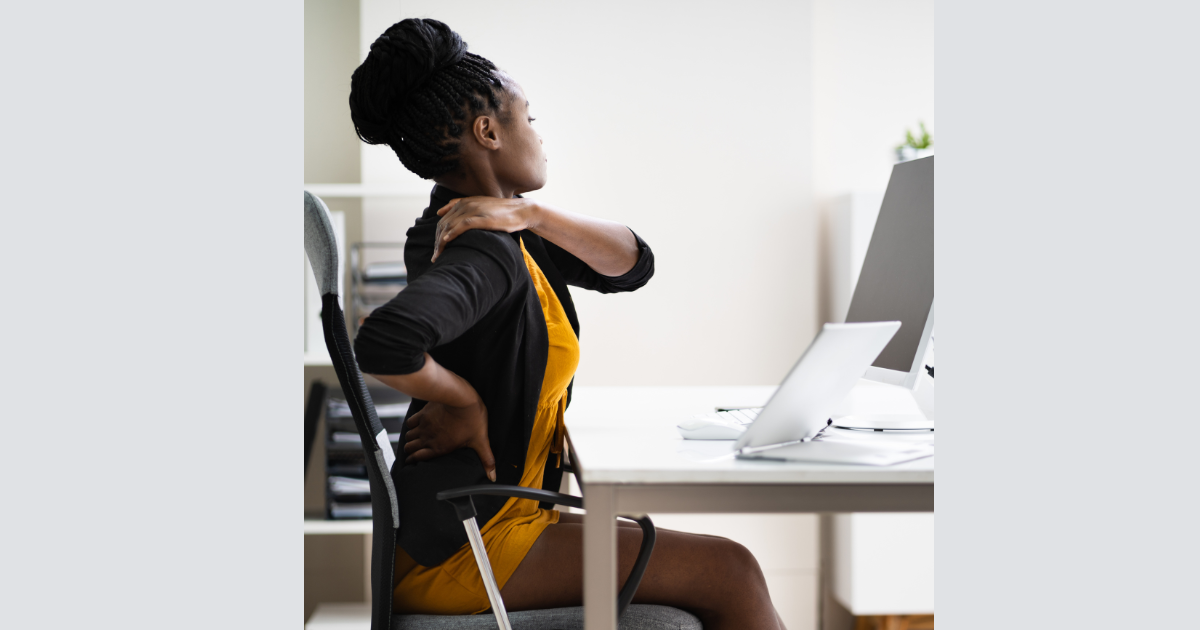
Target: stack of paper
{"points": [[339, 408], [350, 510], [348, 485], [346, 437]]}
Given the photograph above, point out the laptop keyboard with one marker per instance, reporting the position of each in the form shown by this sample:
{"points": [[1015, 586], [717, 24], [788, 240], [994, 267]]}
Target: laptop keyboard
{"points": [[742, 417]]}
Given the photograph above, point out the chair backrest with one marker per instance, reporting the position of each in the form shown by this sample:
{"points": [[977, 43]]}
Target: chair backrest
{"points": [[321, 246]]}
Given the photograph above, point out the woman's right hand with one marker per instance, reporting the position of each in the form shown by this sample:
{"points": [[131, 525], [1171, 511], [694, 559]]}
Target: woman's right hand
{"points": [[438, 429]]}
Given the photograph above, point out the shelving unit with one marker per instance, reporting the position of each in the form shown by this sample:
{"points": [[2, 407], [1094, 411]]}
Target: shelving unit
{"points": [[373, 284], [325, 526], [361, 190]]}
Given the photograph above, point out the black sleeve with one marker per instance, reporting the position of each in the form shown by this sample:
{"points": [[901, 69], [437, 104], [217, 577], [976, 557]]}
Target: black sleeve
{"points": [[443, 303], [578, 273]]}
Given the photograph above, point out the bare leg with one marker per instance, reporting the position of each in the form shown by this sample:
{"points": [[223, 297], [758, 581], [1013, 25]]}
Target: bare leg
{"points": [[713, 578]]}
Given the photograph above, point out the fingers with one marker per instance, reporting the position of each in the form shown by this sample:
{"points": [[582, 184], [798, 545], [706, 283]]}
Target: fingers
{"points": [[447, 213], [454, 227], [447, 230], [472, 215], [484, 449], [422, 455], [448, 207], [412, 433], [437, 243], [414, 445], [450, 227]]}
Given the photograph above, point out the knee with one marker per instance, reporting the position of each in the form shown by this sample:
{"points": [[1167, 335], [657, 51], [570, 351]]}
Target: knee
{"points": [[739, 561]]}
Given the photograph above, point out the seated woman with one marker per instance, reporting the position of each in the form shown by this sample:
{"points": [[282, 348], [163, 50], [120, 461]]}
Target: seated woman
{"points": [[484, 339]]}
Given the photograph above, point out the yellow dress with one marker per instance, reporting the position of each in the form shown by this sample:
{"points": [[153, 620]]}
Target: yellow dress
{"points": [[455, 586]]}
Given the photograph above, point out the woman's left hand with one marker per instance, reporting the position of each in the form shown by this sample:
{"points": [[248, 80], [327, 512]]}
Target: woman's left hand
{"points": [[481, 213]]}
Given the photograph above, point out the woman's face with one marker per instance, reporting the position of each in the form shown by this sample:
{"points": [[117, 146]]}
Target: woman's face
{"points": [[521, 163]]}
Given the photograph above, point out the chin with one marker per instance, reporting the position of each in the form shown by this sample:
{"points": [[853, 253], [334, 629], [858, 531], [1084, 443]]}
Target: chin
{"points": [[532, 185]]}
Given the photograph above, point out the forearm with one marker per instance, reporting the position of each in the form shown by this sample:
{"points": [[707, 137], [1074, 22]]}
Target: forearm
{"points": [[606, 246], [433, 383]]}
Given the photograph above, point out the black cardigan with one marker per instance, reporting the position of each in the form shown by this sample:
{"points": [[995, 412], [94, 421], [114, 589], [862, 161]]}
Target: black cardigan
{"points": [[477, 313]]}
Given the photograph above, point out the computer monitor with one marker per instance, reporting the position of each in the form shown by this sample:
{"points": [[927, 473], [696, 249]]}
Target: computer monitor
{"points": [[896, 282]]}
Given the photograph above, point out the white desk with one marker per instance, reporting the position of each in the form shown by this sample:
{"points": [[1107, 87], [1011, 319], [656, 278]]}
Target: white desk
{"points": [[631, 460]]}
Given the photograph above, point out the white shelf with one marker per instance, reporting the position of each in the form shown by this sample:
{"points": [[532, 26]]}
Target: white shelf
{"points": [[349, 526], [352, 616], [320, 357], [362, 190]]}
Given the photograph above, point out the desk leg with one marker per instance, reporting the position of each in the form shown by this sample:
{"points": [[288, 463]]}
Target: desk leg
{"points": [[600, 558]]}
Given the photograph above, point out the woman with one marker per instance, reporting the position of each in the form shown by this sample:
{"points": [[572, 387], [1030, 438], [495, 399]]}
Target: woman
{"points": [[484, 339]]}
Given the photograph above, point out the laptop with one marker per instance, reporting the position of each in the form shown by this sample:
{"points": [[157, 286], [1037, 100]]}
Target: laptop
{"points": [[790, 425]]}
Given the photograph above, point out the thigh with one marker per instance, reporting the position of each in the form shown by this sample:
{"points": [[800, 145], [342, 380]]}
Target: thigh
{"points": [[688, 571]]}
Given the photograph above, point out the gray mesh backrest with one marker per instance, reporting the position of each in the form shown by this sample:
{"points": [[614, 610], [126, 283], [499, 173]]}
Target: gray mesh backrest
{"points": [[320, 244]]}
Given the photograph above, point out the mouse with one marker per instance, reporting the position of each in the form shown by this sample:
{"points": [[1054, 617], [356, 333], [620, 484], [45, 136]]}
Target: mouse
{"points": [[709, 428]]}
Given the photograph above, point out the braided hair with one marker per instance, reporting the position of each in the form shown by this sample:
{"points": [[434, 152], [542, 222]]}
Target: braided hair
{"points": [[417, 89]]}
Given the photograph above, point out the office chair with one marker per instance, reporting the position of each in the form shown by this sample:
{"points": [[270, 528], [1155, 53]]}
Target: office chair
{"points": [[321, 247]]}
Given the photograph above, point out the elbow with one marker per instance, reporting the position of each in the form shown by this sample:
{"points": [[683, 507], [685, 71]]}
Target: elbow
{"points": [[643, 267], [376, 356], [637, 277]]}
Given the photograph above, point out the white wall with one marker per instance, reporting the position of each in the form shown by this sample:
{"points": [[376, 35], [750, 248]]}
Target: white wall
{"points": [[331, 151], [883, 563], [691, 123], [713, 129], [872, 79]]}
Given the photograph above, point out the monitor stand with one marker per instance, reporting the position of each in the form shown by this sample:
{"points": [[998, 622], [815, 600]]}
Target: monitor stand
{"points": [[873, 406]]}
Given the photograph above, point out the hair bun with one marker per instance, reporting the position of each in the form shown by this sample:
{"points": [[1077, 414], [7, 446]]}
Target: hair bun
{"points": [[413, 49], [414, 89]]}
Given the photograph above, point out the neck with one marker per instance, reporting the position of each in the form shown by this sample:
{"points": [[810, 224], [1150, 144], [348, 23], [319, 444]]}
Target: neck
{"points": [[473, 185]]}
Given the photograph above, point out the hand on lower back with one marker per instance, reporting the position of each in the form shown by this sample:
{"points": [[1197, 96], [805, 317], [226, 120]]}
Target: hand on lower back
{"points": [[438, 429]]}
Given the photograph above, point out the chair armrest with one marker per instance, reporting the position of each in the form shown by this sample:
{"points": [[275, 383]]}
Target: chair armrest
{"points": [[466, 509], [639, 565]]}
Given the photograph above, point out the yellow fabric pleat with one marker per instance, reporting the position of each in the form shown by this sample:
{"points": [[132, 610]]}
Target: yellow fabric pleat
{"points": [[455, 586]]}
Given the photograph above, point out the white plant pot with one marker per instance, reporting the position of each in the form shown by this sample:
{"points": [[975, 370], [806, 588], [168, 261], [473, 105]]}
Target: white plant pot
{"points": [[906, 153]]}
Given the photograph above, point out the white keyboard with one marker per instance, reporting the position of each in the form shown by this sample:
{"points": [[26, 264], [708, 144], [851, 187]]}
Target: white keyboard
{"points": [[727, 424], [738, 416]]}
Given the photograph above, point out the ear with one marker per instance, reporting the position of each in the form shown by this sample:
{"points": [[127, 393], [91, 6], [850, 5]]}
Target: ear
{"points": [[486, 131]]}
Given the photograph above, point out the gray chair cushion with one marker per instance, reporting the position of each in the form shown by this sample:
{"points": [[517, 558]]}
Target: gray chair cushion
{"points": [[636, 617]]}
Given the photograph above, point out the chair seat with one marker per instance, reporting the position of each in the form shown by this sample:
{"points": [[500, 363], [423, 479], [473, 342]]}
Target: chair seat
{"points": [[636, 617]]}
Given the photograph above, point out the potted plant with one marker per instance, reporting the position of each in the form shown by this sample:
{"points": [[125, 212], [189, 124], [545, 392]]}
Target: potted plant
{"points": [[914, 147]]}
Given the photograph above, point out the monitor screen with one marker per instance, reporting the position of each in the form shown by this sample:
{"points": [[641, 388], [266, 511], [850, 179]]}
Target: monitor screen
{"points": [[896, 282]]}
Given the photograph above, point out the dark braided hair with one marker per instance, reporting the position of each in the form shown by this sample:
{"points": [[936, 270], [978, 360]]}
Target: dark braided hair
{"points": [[416, 89]]}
